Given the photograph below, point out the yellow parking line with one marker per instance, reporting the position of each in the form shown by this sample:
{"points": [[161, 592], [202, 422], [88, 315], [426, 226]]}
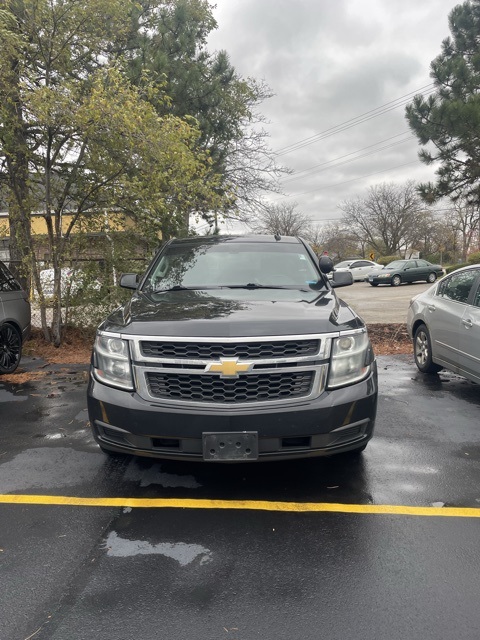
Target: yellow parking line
{"points": [[256, 505]]}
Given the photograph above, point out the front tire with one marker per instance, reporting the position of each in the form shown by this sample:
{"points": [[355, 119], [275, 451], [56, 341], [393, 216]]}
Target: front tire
{"points": [[431, 277], [396, 281], [10, 348], [374, 284], [422, 351]]}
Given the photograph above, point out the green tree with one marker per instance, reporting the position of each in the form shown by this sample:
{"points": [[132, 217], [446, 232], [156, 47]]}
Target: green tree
{"points": [[447, 122], [76, 137], [169, 42]]}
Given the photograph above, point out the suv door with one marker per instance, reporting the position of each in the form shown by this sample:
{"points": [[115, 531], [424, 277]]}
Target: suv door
{"points": [[14, 305]]}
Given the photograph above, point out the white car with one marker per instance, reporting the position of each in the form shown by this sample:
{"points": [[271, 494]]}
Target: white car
{"points": [[72, 282], [360, 269], [444, 324]]}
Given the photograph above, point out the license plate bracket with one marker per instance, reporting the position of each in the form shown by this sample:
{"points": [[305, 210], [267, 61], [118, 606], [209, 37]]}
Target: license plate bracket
{"points": [[233, 446]]}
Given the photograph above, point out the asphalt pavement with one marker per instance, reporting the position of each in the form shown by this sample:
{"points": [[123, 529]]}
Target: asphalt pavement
{"points": [[383, 304], [385, 546]]}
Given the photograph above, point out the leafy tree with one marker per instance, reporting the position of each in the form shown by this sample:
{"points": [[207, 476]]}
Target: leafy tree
{"points": [[77, 137], [386, 219], [169, 42], [447, 122]]}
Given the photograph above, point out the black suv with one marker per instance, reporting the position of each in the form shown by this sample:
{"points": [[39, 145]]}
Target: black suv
{"points": [[14, 320], [233, 349]]}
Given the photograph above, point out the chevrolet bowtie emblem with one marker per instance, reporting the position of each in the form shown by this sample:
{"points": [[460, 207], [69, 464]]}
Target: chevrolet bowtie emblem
{"points": [[229, 368]]}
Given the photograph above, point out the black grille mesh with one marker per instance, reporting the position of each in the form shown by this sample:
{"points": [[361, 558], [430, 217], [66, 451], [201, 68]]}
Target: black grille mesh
{"points": [[214, 351], [247, 388]]}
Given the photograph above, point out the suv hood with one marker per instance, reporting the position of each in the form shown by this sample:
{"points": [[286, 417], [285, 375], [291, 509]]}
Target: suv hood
{"points": [[230, 313]]}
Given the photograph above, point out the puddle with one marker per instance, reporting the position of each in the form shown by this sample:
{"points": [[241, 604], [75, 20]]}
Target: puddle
{"points": [[48, 468], [154, 475], [8, 396], [180, 551]]}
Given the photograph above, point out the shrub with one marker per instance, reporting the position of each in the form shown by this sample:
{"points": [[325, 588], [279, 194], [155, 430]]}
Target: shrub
{"points": [[474, 258], [386, 259], [454, 267]]}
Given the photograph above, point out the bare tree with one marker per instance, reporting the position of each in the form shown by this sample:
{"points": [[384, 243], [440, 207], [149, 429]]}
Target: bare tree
{"points": [[283, 220], [464, 222], [337, 240], [387, 218]]}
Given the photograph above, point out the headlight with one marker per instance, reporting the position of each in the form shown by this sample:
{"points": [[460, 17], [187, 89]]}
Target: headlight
{"points": [[352, 356], [112, 362], [384, 275]]}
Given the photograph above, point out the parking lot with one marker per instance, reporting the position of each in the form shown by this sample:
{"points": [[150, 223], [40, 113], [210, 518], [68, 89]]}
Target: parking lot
{"points": [[385, 546], [381, 304]]}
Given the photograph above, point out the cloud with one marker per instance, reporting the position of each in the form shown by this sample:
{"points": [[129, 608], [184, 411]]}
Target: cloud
{"points": [[328, 63]]}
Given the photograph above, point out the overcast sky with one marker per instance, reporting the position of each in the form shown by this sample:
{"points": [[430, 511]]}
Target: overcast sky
{"points": [[332, 64]]}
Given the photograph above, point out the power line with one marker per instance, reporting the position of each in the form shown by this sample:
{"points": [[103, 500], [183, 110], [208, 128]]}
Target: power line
{"points": [[339, 164], [328, 186], [348, 124]]}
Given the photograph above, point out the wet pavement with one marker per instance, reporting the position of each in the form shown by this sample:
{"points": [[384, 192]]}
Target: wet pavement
{"points": [[205, 570]]}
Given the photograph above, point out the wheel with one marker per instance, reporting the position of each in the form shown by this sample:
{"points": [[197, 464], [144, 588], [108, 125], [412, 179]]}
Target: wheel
{"points": [[374, 284], [422, 351], [10, 348], [396, 280], [431, 277]]}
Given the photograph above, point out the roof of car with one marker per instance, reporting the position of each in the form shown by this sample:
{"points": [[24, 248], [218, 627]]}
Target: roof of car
{"points": [[236, 238]]}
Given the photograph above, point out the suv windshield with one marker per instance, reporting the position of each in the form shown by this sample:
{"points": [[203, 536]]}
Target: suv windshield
{"points": [[194, 265]]}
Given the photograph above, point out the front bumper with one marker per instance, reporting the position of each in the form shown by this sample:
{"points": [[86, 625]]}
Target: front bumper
{"points": [[337, 421]]}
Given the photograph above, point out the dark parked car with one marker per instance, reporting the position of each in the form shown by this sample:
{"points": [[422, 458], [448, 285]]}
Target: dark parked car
{"points": [[14, 320], [233, 349], [401, 271], [444, 323]]}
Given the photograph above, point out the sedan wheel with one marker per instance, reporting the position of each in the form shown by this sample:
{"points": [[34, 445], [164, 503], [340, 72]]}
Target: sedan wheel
{"points": [[431, 277], [396, 280], [374, 284], [10, 348], [422, 351]]}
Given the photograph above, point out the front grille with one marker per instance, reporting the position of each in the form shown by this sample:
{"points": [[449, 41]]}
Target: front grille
{"points": [[247, 388], [216, 350]]}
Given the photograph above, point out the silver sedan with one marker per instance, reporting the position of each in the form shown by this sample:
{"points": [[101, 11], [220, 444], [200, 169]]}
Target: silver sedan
{"points": [[444, 324]]}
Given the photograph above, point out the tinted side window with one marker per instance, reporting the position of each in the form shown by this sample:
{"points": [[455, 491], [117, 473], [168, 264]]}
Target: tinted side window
{"points": [[362, 263], [422, 263], [457, 287], [7, 281]]}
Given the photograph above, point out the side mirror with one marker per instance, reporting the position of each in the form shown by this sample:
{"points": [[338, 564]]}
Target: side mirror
{"points": [[341, 279], [326, 264], [129, 280]]}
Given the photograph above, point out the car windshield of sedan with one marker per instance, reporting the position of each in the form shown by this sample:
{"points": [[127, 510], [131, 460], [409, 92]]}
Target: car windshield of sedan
{"points": [[396, 264], [194, 265], [343, 265]]}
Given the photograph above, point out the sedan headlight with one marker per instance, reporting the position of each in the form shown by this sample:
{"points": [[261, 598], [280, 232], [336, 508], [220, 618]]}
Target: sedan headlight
{"points": [[112, 362], [384, 275], [352, 356]]}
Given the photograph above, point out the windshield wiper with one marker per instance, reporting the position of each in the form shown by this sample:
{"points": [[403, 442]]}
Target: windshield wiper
{"points": [[180, 287], [255, 285]]}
